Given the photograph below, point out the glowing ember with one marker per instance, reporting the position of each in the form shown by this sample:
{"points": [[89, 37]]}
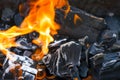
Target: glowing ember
{"points": [[40, 19], [76, 17]]}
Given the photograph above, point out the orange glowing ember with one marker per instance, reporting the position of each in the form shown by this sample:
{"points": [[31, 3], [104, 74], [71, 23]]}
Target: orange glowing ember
{"points": [[76, 18], [40, 19]]}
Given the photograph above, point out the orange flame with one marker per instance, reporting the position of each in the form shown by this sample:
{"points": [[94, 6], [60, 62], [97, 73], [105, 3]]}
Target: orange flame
{"points": [[76, 18], [40, 19]]}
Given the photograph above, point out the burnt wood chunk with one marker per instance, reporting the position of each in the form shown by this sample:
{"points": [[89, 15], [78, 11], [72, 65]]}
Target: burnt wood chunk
{"points": [[65, 60], [85, 25]]}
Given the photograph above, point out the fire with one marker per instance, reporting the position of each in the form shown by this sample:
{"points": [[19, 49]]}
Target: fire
{"points": [[76, 18], [40, 19]]}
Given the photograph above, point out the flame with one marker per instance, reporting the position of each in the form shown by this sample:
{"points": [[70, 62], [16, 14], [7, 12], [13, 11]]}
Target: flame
{"points": [[40, 19], [76, 18]]}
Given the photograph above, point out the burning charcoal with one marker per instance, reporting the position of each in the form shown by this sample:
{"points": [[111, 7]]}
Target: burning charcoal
{"points": [[14, 67], [28, 37], [85, 25], [25, 45], [17, 50], [65, 60], [26, 41], [33, 35]]}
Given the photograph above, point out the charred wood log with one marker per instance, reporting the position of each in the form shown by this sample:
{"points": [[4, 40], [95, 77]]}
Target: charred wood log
{"points": [[85, 25]]}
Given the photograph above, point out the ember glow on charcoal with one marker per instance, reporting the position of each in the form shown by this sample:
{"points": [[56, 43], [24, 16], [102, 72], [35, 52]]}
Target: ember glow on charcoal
{"points": [[76, 18], [40, 19]]}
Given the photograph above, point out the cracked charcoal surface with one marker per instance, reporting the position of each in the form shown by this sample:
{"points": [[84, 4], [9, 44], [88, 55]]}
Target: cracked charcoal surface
{"points": [[87, 26], [68, 54]]}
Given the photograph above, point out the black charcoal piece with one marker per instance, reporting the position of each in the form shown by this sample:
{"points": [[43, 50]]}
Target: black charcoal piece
{"points": [[87, 24], [95, 49], [17, 50], [24, 44], [19, 65], [105, 61], [33, 35], [26, 41], [28, 37], [65, 60], [111, 67]]}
